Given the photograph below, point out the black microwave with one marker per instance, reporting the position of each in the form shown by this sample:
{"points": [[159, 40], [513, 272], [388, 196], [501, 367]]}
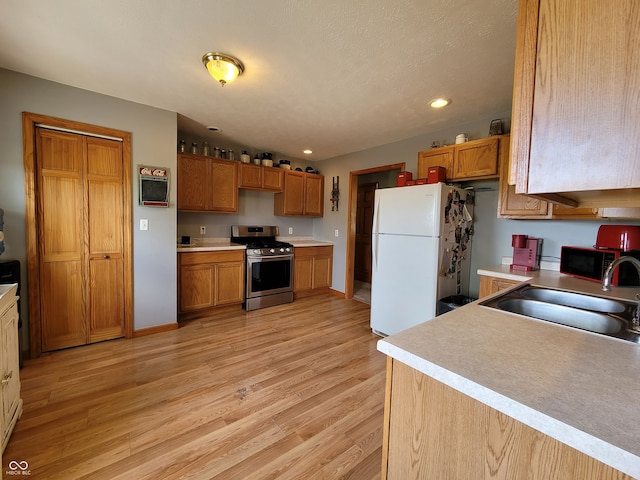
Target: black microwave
{"points": [[592, 263]]}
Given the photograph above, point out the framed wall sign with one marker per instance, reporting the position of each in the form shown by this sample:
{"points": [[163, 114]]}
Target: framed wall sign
{"points": [[154, 186]]}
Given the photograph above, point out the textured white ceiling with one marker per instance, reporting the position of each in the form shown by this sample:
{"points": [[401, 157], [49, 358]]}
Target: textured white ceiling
{"points": [[335, 76]]}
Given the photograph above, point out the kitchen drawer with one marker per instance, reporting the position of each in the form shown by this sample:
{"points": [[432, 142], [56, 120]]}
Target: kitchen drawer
{"points": [[194, 258]]}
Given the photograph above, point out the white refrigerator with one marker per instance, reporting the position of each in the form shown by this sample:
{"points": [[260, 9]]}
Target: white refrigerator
{"points": [[421, 245]]}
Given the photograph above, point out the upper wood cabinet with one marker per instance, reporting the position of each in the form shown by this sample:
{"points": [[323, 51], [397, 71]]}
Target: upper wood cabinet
{"points": [[258, 177], [576, 99], [510, 203], [303, 195], [520, 206], [207, 184], [473, 160]]}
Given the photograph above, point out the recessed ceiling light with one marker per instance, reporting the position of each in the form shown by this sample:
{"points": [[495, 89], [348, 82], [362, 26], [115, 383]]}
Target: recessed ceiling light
{"points": [[307, 152], [440, 102], [214, 129]]}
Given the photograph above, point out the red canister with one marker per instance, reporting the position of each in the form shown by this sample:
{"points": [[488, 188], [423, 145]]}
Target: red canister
{"points": [[402, 178], [436, 174]]}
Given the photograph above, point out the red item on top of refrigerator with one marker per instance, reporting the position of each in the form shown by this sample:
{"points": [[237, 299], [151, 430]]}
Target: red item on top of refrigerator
{"points": [[436, 174], [402, 177], [421, 181]]}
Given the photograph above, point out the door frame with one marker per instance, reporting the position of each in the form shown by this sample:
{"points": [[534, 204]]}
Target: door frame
{"points": [[351, 221], [29, 123], [375, 186]]}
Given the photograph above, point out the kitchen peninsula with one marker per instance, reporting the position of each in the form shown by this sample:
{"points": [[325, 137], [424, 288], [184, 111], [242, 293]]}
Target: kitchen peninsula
{"points": [[478, 393]]}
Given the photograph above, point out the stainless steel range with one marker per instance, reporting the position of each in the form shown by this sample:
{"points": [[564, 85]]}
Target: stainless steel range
{"points": [[269, 278]]}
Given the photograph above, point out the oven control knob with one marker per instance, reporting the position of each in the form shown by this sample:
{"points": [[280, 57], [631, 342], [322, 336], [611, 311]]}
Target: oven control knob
{"points": [[256, 251], [281, 250], [272, 251], [287, 249]]}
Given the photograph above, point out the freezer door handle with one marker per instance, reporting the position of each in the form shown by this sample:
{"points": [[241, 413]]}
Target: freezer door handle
{"points": [[376, 232]]}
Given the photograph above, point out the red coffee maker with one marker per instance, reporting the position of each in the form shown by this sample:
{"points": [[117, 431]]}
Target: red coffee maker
{"points": [[526, 252]]}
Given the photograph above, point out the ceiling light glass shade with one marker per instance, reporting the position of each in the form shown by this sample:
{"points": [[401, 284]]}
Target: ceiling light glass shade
{"points": [[440, 102], [224, 68]]}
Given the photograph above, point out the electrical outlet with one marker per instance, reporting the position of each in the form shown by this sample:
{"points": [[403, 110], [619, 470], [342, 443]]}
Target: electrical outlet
{"points": [[144, 224], [337, 233], [290, 230], [203, 230]]}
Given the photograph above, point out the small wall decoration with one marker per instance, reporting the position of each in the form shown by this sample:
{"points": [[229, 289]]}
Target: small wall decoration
{"points": [[495, 128], [154, 186], [335, 193]]}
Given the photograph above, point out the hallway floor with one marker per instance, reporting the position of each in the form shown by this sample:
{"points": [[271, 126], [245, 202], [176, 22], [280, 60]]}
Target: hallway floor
{"points": [[362, 291]]}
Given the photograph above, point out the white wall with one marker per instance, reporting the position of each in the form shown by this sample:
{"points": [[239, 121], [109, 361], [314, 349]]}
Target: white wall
{"points": [[153, 143]]}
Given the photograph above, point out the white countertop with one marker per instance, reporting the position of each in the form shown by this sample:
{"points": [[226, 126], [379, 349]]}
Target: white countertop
{"points": [[214, 244], [8, 293], [306, 242], [580, 388], [210, 247]]}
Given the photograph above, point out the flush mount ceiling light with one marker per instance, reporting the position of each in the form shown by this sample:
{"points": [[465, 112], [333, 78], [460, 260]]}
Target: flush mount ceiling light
{"points": [[440, 102], [307, 152], [224, 68]]}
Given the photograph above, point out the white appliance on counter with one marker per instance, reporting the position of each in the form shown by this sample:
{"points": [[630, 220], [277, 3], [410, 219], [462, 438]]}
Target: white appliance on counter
{"points": [[421, 246]]}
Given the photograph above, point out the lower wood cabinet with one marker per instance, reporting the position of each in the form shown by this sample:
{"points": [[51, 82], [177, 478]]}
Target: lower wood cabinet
{"points": [[432, 431], [491, 285], [210, 279], [9, 365], [312, 270]]}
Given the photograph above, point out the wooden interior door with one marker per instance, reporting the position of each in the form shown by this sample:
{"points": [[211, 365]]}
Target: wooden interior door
{"points": [[364, 225], [104, 212], [60, 219], [80, 221]]}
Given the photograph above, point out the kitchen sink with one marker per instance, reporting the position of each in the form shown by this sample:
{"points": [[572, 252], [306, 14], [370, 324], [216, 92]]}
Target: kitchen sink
{"points": [[578, 300], [600, 315], [569, 316]]}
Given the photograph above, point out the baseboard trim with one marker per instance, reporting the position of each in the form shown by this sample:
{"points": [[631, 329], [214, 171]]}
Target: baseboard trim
{"points": [[337, 293], [157, 329]]}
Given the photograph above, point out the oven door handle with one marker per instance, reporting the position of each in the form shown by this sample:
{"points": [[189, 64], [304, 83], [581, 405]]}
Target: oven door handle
{"points": [[270, 257]]}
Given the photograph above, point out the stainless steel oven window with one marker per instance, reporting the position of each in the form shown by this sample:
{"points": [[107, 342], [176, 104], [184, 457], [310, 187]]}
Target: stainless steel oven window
{"points": [[269, 275]]}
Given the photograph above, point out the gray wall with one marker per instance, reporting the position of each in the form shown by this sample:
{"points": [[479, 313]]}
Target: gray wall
{"points": [[153, 143], [254, 208], [492, 238], [402, 151]]}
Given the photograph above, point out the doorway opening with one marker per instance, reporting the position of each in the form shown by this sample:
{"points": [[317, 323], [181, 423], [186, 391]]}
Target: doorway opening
{"points": [[362, 185]]}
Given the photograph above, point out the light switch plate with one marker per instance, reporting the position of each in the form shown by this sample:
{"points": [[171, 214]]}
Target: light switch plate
{"points": [[144, 224]]}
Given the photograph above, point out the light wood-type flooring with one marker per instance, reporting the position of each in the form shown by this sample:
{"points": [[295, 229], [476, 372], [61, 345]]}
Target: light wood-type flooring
{"points": [[287, 392]]}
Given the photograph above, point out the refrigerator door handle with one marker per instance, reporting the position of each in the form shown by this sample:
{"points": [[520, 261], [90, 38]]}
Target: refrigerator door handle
{"points": [[376, 232], [374, 245]]}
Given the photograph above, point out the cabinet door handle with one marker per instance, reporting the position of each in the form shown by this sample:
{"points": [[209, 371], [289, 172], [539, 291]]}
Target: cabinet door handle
{"points": [[106, 257], [6, 378]]}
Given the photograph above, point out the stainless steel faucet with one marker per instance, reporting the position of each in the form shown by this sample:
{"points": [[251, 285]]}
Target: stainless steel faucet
{"points": [[606, 286], [606, 281]]}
